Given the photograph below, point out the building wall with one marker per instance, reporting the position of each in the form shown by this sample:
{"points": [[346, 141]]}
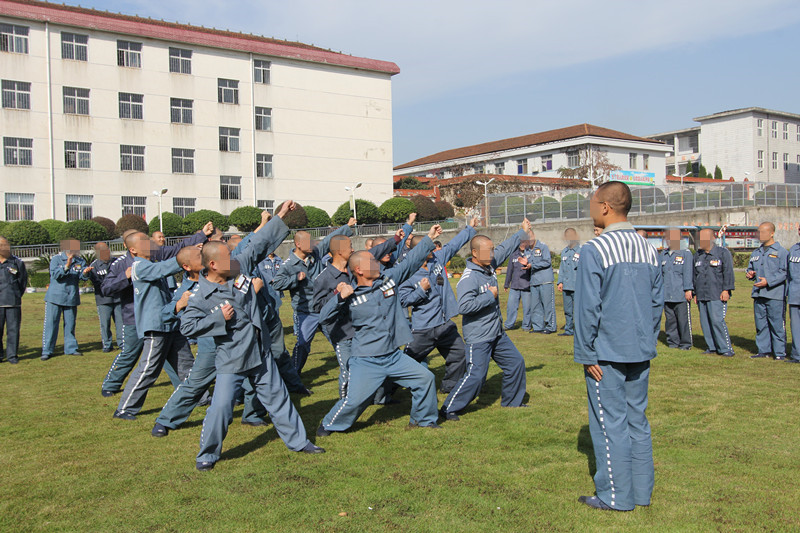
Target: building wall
{"points": [[331, 127]]}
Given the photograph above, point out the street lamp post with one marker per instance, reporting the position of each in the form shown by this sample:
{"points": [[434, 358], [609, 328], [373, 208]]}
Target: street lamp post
{"points": [[160, 194], [486, 196], [681, 177], [352, 191], [747, 177]]}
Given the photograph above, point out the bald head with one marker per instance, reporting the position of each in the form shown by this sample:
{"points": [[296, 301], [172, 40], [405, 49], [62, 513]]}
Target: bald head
{"points": [[131, 237], [766, 233], [416, 239], [103, 251], [616, 194], [341, 246], [214, 251], [159, 238], [482, 250], [234, 241], [190, 259], [377, 241], [357, 260]]}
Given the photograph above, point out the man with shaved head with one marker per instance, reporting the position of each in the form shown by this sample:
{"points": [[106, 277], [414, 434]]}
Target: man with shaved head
{"points": [[381, 327], [118, 283], [713, 286], [13, 281], [483, 327], [767, 268], [233, 242], [159, 238], [108, 307], [793, 299], [297, 276], [618, 302], [225, 307]]}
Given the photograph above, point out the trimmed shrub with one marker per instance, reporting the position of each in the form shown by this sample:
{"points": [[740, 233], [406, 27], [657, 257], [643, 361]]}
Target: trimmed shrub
{"points": [[131, 221], [544, 207], [245, 218], [109, 225], [52, 226], [26, 233], [366, 213], [741, 259], [425, 208], [396, 209], [82, 230], [194, 222], [317, 218], [295, 219], [173, 224], [718, 173], [39, 280], [3, 227], [445, 209]]}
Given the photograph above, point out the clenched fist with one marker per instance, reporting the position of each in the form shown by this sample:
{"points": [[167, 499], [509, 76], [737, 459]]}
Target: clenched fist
{"points": [[435, 231], [258, 284], [181, 304], [301, 276], [227, 311], [425, 283], [345, 290], [493, 290]]}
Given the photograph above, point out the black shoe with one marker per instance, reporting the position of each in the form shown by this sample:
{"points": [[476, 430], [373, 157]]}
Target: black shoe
{"points": [[79, 354], [537, 331], [727, 354], [414, 425], [257, 423], [44, 357], [159, 430], [13, 360], [780, 358], [122, 415], [788, 360], [108, 393], [448, 415], [205, 402], [708, 352], [312, 449], [596, 503], [565, 334], [107, 349], [548, 332], [322, 432], [759, 355], [303, 392], [204, 466]]}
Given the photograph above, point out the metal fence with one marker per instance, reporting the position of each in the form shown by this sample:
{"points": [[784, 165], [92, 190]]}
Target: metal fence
{"points": [[570, 204]]}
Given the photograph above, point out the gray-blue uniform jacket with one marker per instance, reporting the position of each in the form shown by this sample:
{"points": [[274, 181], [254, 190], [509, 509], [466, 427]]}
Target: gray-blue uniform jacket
{"points": [[517, 278], [169, 316], [541, 264], [63, 289], [13, 280], [151, 293], [482, 320], [567, 271], [380, 322], [241, 342], [619, 296], [303, 291], [769, 262], [266, 271], [97, 276], [325, 287], [713, 273], [677, 270], [793, 277], [438, 304]]}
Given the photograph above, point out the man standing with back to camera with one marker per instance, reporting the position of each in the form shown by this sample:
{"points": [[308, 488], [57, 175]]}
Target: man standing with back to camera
{"points": [[618, 302]]}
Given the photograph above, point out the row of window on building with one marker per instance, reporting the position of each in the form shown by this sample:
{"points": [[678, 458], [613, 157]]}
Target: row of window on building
{"points": [[784, 127], [21, 206], [17, 95], [18, 151], [785, 161], [545, 164], [75, 47]]}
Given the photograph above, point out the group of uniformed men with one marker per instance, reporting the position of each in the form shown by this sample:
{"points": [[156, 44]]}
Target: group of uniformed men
{"points": [[228, 305]]}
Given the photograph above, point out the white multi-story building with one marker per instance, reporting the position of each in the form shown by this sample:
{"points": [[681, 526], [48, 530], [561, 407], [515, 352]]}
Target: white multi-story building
{"points": [[754, 143], [99, 110], [640, 160]]}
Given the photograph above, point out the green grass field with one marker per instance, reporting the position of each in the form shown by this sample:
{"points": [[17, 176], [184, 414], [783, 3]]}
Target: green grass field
{"points": [[725, 437]]}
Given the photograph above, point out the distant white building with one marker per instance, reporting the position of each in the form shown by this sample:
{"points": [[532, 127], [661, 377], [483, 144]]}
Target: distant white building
{"points": [[541, 154], [754, 143], [101, 109]]}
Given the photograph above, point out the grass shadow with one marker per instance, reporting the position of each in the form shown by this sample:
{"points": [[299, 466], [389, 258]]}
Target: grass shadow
{"points": [[584, 445]]}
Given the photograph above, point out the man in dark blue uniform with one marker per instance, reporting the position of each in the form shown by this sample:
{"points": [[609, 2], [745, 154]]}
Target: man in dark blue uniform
{"points": [[543, 294], [518, 287], [767, 269], [677, 272], [108, 307], [570, 256], [618, 302], [13, 280], [793, 299], [713, 286]]}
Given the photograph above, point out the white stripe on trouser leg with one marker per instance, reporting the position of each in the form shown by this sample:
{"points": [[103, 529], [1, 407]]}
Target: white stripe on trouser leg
{"points": [[470, 366], [725, 326], [342, 371], [608, 449], [44, 327], [141, 376], [689, 316]]}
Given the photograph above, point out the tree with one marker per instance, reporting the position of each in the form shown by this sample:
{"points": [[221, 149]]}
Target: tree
{"points": [[718, 173], [366, 213], [52, 226], [109, 225], [245, 218], [172, 224], [295, 219], [82, 230], [425, 208], [445, 209], [703, 173], [26, 233], [593, 165], [131, 221], [194, 222], [689, 170], [317, 218], [410, 183], [396, 209]]}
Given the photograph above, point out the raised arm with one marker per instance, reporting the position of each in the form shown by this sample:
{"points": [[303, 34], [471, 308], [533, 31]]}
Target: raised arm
{"points": [[168, 252], [450, 249], [262, 243], [325, 245], [403, 270], [144, 270]]}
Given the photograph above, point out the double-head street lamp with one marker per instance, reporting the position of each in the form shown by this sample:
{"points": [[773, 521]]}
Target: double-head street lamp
{"points": [[352, 191], [160, 194], [486, 196]]}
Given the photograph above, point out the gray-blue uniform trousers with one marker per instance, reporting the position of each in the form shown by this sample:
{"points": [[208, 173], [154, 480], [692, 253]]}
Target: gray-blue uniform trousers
{"points": [[618, 301], [432, 312], [676, 271], [108, 307], [518, 283], [302, 292], [242, 353], [712, 274], [793, 297], [340, 333], [769, 310], [570, 256], [118, 284], [381, 325], [161, 342], [482, 323], [62, 297], [543, 295], [13, 280]]}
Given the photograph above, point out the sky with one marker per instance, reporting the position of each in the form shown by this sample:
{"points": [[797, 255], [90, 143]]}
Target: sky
{"points": [[476, 71]]}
